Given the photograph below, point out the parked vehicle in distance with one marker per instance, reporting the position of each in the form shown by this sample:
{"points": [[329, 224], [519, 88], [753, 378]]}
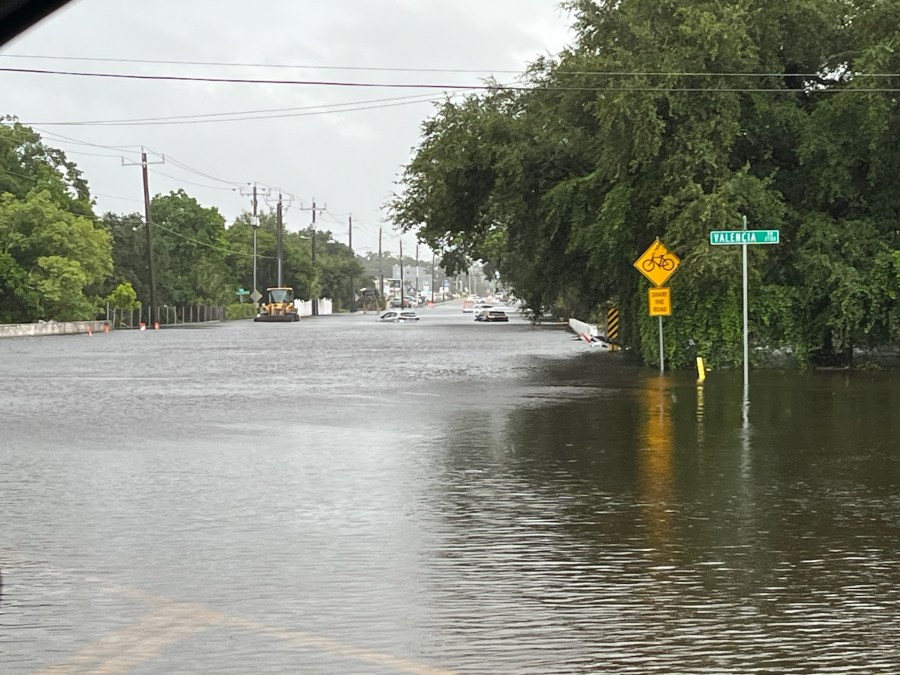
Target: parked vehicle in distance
{"points": [[408, 303], [279, 305], [395, 316], [491, 315], [477, 307]]}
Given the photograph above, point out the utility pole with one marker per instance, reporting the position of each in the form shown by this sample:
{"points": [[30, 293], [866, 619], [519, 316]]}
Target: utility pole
{"points": [[314, 289], [432, 277], [254, 222], [279, 236], [417, 270], [279, 229], [380, 267], [350, 246], [151, 264], [402, 289]]}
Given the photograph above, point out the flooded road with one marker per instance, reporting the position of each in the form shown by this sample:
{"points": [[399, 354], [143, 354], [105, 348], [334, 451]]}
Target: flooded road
{"points": [[339, 495]]}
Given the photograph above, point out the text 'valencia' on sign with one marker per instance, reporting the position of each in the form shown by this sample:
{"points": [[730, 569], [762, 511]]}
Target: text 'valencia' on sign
{"points": [[731, 237]]}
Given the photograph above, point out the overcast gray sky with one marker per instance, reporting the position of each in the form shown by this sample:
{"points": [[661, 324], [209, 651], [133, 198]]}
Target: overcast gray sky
{"points": [[347, 160]]}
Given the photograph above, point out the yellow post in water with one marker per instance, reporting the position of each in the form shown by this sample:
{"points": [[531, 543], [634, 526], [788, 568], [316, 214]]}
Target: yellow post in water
{"points": [[701, 369]]}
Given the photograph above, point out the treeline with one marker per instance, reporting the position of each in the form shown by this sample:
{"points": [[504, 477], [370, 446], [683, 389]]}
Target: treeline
{"points": [[60, 261], [671, 119]]}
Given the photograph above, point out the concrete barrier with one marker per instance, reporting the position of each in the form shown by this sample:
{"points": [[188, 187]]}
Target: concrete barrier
{"points": [[582, 328], [50, 328], [589, 333]]}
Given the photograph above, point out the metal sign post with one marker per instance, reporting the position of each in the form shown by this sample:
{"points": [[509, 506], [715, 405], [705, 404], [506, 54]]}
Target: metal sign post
{"points": [[742, 238], [660, 303], [662, 353], [658, 263], [746, 331]]}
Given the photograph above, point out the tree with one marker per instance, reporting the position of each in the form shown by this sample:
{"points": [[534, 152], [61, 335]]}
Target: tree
{"points": [[190, 247], [669, 119], [129, 251], [123, 297], [54, 258]]}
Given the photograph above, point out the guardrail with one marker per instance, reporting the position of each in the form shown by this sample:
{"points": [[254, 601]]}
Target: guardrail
{"points": [[165, 315]]}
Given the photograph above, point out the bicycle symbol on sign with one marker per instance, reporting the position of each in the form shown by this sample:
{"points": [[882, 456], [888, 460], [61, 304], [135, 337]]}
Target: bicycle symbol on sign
{"points": [[662, 261]]}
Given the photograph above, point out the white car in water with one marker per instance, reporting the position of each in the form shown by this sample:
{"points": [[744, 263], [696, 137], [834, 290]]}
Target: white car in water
{"points": [[399, 316]]}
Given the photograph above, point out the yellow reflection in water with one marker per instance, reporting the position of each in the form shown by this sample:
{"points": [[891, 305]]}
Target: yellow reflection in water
{"points": [[655, 463]]}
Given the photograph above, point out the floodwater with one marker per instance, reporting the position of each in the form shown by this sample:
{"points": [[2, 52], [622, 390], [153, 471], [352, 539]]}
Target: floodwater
{"points": [[343, 496]]}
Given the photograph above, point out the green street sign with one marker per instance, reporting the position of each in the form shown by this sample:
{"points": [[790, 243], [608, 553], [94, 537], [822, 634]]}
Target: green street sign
{"points": [[733, 237], [241, 291]]}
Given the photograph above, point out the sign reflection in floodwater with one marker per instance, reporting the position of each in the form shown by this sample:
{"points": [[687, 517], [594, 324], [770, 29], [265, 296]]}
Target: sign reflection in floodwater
{"points": [[655, 486], [343, 495]]}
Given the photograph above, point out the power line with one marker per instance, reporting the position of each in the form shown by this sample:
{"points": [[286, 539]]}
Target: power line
{"points": [[69, 139], [457, 87], [91, 154], [256, 114], [123, 148], [185, 167], [184, 180], [157, 225], [389, 69], [124, 199], [211, 246], [164, 121], [238, 80], [386, 69]]}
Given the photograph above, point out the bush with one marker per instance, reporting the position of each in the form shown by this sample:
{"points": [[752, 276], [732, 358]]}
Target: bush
{"points": [[243, 310]]}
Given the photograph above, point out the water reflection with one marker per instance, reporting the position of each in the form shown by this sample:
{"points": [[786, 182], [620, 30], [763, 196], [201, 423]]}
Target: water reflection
{"points": [[655, 484], [507, 502]]}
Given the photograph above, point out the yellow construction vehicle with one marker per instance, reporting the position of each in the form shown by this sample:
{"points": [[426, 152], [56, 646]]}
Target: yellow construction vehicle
{"points": [[279, 306]]}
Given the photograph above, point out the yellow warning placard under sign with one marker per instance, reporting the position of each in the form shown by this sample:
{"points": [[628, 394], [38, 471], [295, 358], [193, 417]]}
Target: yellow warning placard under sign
{"points": [[657, 263], [660, 301]]}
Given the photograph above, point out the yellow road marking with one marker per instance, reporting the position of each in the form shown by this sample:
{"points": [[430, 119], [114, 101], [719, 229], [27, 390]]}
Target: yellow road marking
{"points": [[135, 643], [340, 649], [170, 622]]}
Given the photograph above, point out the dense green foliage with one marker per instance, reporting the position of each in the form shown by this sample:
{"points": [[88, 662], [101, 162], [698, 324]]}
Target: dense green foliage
{"points": [[53, 257], [671, 119], [59, 261], [245, 310], [200, 260]]}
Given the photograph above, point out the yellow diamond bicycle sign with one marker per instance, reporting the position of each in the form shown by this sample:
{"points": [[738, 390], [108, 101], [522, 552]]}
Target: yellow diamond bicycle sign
{"points": [[657, 263]]}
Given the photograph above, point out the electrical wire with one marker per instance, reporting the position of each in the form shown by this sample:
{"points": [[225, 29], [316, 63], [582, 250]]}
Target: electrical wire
{"points": [[172, 160], [184, 180], [124, 199], [185, 167], [452, 87], [270, 113], [387, 69], [116, 123], [129, 199], [242, 80], [69, 139], [92, 154], [208, 245]]}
